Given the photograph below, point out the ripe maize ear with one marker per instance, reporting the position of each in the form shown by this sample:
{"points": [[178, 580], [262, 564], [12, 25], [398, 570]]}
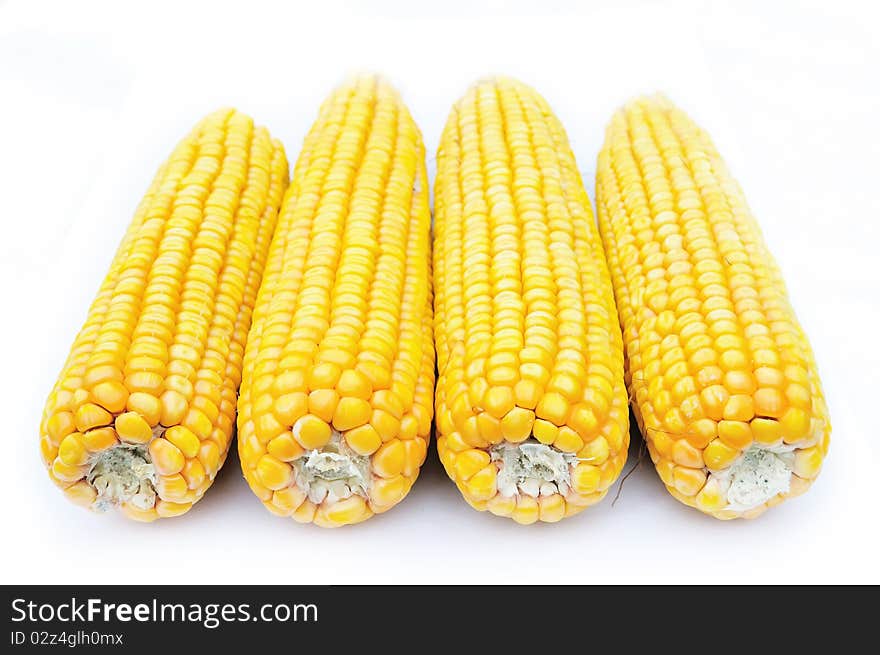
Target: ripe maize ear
{"points": [[723, 381], [335, 407], [532, 418], [141, 417]]}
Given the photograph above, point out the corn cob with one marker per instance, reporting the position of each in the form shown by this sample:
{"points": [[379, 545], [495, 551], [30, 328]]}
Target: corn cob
{"points": [[723, 381], [335, 408], [142, 414], [532, 419]]}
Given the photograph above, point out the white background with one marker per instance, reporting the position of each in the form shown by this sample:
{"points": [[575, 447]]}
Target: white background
{"points": [[94, 96]]}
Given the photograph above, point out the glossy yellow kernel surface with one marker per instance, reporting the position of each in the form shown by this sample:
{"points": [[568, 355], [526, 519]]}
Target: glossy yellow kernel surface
{"points": [[340, 355], [527, 334], [158, 361], [715, 354]]}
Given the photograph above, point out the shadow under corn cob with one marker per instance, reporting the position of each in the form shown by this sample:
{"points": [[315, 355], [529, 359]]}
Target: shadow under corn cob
{"points": [[723, 380], [532, 419], [142, 414], [336, 401]]}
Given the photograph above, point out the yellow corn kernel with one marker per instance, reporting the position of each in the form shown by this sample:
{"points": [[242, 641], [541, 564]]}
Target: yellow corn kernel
{"points": [[145, 405], [470, 433], [688, 481], [499, 401], [808, 462], [477, 390], [273, 473], [713, 400], [345, 512], [67, 472], [798, 396], [209, 456], [59, 426], [387, 492], [611, 469], [137, 514], [585, 478], [100, 373], [111, 395], [685, 454], [736, 434], [516, 426], [409, 427], [48, 450], [90, 416], [351, 413], [172, 487], [174, 406], [324, 376], [701, 432], [766, 431], [187, 442], [99, 439], [81, 493], [290, 407], [385, 424], [80, 396], [364, 440], [739, 381], [489, 428], [584, 421], [267, 427], [617, 437], [311, 432], [527, 394], [527, 510], [288, 498], [662, 441], [481, 485], [166, 457], [553, 407], [470, 462], [551, 508], [416, 451], [285, 448], [795, 424], [148, 383], [545, 431], [194, 473], [198, 423], [262, 492], [665, 469], [568, 441], [72, 451], [354, 384], [340, 357], [501, 505], [718, 455], [322, 403], [739, 407], [305, 513], [769, 402], [711, 338], [710, 499], [133, 428], [390, 459]]}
